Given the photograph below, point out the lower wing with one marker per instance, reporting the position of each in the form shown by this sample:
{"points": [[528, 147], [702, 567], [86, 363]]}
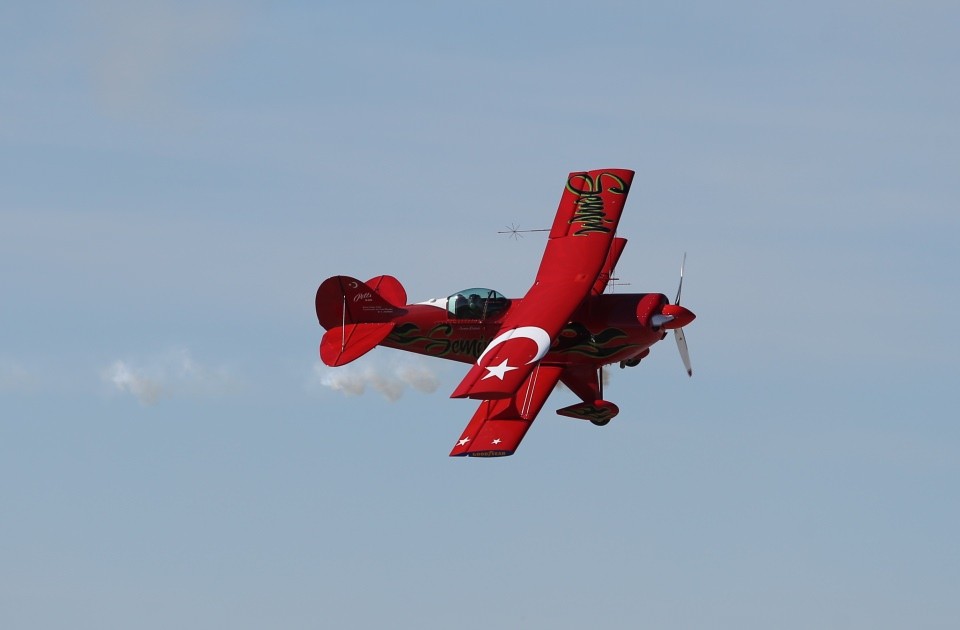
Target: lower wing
{"points": [[498, 426]]}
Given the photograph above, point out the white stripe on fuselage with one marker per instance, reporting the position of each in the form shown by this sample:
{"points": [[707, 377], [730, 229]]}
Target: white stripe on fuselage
{"points": [[436, 303]]}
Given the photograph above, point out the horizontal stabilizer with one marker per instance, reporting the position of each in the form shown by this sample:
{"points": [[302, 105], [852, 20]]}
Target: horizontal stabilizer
{"points": [[342, 344], [390, 289]]}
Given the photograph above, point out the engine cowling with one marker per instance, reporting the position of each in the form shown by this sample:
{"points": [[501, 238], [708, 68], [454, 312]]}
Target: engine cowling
{"points": [[649, 306]]}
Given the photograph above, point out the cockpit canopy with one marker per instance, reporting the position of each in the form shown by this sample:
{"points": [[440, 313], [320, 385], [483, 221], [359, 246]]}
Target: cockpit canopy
{"points": [[476, 304]]}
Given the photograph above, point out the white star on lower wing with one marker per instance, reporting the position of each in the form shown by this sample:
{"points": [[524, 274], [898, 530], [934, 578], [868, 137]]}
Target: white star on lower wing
{"points": [[497, 441], [463, 442], [498, 371]]}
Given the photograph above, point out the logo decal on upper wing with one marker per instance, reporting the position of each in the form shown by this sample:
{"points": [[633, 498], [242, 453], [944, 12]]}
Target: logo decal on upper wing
{"points": [[590, 213]]}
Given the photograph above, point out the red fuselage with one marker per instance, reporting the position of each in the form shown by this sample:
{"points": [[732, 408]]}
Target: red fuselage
{"points": [[604, 329]]}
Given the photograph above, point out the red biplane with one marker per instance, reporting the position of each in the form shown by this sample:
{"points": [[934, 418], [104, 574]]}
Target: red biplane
{"points": [[565, 329]]}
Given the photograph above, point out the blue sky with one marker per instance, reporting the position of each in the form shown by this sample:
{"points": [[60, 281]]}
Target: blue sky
{"points": [[177, 178]]}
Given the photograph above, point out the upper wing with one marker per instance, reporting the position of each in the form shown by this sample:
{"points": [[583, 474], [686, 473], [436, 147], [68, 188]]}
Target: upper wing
{"points": [[576, 254], [498, 425], [606, 273]]}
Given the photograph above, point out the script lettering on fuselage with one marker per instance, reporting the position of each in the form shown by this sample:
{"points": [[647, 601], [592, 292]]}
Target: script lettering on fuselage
{"points": [[440, 341], [445, 346], [590, 213]]}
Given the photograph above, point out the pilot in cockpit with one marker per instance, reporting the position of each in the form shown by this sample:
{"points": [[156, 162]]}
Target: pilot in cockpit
{"points": [[475, 306]]}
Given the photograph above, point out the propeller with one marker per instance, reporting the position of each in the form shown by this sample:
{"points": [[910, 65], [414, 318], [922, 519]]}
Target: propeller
{"points": [[684, 353], [678, 332], [676, 317], [683, 264]]}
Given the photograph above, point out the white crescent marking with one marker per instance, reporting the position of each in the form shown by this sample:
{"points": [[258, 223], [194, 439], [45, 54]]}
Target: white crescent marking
{"points": [[538, 335]]}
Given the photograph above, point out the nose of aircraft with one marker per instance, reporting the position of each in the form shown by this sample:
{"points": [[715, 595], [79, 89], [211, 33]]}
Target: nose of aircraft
{"points": [[681, 316]]}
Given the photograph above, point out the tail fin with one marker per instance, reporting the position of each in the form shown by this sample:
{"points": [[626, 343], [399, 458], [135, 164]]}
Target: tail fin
{"points": [[344, 300], [357, 315]]}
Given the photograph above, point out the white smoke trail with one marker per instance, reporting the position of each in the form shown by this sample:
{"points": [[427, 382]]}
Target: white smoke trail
{"points": [[171, 374], [134, 381], [15, 377], [418, 377], [390, 381]]}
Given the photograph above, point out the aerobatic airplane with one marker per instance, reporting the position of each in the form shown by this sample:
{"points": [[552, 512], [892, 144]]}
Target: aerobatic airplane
{"points": [[565, 329]]}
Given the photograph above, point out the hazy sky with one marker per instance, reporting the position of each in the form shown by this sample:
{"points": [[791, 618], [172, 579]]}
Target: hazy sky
{"points": [[177, 178]]}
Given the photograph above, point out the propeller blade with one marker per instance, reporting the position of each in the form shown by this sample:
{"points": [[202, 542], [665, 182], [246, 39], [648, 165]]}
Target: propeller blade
{"points": [[680, 288], [682, 346]]}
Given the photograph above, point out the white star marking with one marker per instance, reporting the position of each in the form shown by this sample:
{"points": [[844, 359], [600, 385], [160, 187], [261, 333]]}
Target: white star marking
{"points": [[497, 441], [498, 371], [463, 442]]}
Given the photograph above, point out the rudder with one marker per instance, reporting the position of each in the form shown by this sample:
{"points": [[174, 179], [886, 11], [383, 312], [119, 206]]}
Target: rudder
{"points": [[343, 300]]}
